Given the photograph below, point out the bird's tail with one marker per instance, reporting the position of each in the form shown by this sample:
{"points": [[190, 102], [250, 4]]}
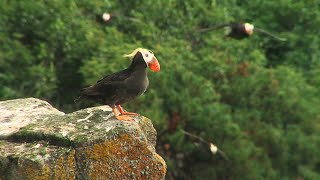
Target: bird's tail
{"points": [[86, 93], [203, 30]]}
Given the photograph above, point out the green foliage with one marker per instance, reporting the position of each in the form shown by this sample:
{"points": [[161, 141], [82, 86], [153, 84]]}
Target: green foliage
{"points": [[257, 99]]}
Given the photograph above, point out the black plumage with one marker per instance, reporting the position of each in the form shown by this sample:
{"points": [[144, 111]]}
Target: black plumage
{"points": [[123, 86], [240, 30]]}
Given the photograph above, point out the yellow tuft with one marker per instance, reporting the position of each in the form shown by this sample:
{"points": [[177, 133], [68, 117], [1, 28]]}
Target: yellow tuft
{"points": [[134, 52]]}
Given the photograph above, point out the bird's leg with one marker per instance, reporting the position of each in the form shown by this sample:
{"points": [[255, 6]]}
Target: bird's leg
{"points": [[122, 112], [123, 118]]}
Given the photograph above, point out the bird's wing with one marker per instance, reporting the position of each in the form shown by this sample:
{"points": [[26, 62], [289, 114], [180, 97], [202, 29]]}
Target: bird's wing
{"points": [[203, 30], [269, 34], [118, 76], [108, 84]]}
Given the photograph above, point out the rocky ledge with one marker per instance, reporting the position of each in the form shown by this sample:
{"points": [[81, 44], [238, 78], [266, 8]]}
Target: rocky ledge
{"points": [[39, 142]]}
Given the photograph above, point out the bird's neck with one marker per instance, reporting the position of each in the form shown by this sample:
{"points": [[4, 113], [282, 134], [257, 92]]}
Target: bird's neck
{"points": [[142, 73], [138, 67], [138, 63], [139, 72]]}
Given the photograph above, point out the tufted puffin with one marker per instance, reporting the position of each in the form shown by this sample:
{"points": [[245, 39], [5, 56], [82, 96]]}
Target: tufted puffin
{"points": [[123, 86], [240, 30]]}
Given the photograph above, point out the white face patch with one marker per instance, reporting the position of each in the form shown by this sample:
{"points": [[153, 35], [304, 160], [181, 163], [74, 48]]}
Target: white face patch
{"points": [[106, 16], [147, 55], [249, 28]]}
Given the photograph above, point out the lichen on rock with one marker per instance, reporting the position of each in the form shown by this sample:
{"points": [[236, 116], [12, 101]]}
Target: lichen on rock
{"points": [[44, 143]]}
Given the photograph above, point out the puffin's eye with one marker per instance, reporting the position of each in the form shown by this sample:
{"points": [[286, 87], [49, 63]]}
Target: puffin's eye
{"points": [[146, 55]]}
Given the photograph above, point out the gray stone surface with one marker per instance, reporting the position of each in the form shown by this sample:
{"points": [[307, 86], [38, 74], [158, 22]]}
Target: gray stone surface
{"points": [[39, 142]]}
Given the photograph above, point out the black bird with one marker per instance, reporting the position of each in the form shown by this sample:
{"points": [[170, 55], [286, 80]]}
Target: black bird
{"points": [[123, 86], [240, 30]]}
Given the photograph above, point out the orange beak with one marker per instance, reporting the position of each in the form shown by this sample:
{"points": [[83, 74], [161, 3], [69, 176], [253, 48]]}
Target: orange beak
{"points": [[154, 64]]}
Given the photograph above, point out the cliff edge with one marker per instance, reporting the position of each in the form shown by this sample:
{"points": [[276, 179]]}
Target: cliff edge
{"points": [[39, 142]]}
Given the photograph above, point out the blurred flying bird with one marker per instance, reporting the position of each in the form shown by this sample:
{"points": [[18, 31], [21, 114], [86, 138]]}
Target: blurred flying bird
{"points": [[213, 148], [106, 17], [123, 86], [240, 30], [110, 17]]}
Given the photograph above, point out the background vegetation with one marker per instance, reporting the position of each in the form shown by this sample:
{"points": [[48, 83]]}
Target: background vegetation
{"points": [[257, 99]]}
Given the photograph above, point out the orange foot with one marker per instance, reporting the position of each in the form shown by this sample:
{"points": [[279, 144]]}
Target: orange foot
{"points": [[129, 113], [122, 112], [124, 118], [121, 118]]}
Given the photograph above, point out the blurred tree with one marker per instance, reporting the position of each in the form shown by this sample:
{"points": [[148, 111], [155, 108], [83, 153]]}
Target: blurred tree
{"points": [[257, 99]]}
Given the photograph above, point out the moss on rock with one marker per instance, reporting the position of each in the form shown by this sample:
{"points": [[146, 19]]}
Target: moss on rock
{"points": [[87, 144]]}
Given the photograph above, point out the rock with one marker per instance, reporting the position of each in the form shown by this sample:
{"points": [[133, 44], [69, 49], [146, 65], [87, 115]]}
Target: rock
{"points": [[21, 112], [39, 142]]}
